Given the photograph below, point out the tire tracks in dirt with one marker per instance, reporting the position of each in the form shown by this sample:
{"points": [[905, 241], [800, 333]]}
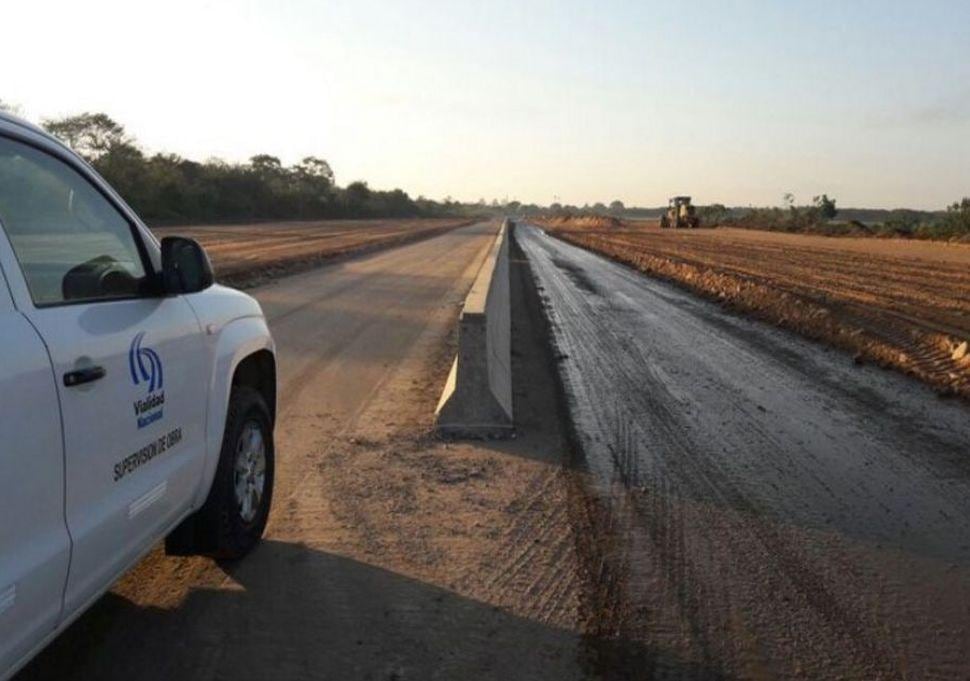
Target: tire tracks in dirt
{"points": [[818, 294], [759, 508]]}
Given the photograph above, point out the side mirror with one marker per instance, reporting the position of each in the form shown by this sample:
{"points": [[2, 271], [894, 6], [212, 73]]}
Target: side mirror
{"points": [[185, 266]]}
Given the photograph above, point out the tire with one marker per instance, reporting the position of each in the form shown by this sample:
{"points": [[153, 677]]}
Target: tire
{"points": [[230, 527]]}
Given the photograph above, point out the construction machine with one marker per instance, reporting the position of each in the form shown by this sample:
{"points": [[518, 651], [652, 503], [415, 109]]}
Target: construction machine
{"points": [[680, 214]]}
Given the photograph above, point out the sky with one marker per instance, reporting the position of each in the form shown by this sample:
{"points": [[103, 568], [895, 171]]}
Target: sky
{"points": [[736, 102]]}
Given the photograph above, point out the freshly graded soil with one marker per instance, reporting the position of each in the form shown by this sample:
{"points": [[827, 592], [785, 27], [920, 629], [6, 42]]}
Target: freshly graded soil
{"points": [[896, 303], [246, 255]]}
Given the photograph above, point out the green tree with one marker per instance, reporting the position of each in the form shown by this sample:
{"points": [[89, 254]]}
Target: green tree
{"points": [[826, 206], [357, 196], [125, 169], [617, 207], [957, 219], [92, 135], [713, 214], [358, 192], [312, 166], [264, 164]]}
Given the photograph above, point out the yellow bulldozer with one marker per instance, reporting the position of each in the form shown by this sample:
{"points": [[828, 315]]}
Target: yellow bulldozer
{"points": [[680, 214]]}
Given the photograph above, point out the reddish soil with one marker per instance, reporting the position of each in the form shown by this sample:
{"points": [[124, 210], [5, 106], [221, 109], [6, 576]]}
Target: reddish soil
{"points": [[898, 303], [249, 254], [583, 221]]}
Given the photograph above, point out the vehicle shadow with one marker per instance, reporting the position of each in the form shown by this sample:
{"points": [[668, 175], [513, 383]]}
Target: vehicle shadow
{"points": [[292, 612]]}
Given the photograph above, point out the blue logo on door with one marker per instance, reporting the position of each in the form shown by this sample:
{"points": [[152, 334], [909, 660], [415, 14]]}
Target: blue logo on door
{"points": [[145, 365], [146, 368]]}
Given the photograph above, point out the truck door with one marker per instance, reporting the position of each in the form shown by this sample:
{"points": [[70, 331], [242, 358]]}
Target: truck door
{"points": [[130, 366], [34, 544]]}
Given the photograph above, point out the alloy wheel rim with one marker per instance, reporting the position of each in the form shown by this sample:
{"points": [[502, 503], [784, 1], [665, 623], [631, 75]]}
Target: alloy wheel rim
{"points": [[250, 471]]}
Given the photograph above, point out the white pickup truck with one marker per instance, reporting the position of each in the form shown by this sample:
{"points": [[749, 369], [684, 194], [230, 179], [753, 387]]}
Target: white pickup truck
{"points": [[137, 398]]}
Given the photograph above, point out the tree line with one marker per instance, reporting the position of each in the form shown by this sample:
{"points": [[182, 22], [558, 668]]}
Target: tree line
{"points": [[819, 217], [167, 188]]}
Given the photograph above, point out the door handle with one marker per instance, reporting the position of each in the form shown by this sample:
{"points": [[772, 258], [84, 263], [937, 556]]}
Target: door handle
{"points": [[86, 375]]}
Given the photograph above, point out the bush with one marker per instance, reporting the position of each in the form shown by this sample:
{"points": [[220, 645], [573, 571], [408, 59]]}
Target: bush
{"points": [[954, 224]]}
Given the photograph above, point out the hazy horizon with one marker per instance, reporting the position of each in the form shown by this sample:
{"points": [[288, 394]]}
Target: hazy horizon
{"points": [[572, 102]]}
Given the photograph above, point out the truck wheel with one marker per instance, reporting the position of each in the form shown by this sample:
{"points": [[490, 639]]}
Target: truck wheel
{"points": [[238, 505]]}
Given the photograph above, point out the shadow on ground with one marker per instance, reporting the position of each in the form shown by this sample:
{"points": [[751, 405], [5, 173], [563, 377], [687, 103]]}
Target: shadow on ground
{"points": [[291, 612]]}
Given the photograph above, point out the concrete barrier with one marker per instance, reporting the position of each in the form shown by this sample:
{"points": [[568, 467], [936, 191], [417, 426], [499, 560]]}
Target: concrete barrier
{"points": [[477, 400]]}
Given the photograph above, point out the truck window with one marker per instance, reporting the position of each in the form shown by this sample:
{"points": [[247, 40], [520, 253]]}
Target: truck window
{"points": [[72, 244]]}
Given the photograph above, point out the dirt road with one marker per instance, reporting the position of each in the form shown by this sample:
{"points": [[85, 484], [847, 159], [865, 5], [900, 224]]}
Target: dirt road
{"points": [[898, 303], [772, 509], [389, 554], [251, 254]]}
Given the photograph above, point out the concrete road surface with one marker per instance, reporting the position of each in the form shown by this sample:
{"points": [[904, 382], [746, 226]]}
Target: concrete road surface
{"points": [[772, 509], [299, 608]]}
